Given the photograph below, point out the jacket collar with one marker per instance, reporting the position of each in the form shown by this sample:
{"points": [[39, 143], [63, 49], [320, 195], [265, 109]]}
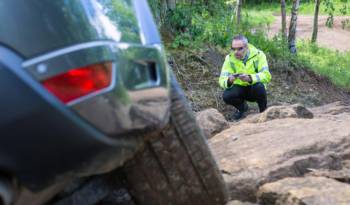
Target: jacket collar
{"points": [[252, 51]]}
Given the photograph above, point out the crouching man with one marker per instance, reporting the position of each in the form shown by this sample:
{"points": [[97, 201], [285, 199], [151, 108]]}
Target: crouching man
{"points": [[244, 76]]}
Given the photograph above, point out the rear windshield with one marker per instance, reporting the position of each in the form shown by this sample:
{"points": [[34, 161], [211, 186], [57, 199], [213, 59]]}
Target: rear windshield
{"points": [[121, 13]]}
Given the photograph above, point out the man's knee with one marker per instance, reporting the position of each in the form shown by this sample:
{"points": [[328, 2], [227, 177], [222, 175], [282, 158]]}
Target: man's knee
{"points": [[227, 97], [259, 90], [230, 95], [259, 86]]}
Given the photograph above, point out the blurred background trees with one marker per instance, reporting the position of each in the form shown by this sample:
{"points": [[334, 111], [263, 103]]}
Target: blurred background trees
{"points": [[217, 20]]}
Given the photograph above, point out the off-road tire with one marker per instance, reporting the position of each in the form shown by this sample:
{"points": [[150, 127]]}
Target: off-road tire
{"points": [[176, 167]]}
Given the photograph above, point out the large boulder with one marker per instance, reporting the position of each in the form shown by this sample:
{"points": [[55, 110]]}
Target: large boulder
{"points": [[211, 121], [304, 191], [252, 154]]}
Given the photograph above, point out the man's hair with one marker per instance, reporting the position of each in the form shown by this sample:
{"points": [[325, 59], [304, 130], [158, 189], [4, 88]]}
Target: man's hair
{"points": [[241, 38]]}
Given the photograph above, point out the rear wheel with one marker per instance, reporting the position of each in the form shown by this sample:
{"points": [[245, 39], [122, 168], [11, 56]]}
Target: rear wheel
{"points": [[176, 167]]}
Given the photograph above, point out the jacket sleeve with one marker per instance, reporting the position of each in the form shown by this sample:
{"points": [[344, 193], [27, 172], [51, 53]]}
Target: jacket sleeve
{"points": [[225, 73], [263, 75]]}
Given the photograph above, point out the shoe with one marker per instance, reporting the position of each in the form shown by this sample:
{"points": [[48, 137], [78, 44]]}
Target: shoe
{"points": [[245, 108], [238, 115], [262, 110]]}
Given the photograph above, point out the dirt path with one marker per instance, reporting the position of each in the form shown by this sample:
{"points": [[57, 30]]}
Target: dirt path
{"points": [[334, 38]]}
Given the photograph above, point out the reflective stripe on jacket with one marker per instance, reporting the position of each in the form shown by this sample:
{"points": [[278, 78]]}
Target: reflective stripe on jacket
{"points": [[255, 65]]}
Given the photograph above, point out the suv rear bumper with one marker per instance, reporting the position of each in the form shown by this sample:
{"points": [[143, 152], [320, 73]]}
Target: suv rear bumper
{"points": [[133, 103]]}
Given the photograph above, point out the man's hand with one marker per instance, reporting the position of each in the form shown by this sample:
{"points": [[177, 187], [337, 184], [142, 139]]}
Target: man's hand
{"points": [[232, 78], [245, 78]]}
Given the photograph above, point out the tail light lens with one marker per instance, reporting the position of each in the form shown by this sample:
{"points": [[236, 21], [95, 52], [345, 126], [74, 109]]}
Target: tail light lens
{"points": [[80, 82]]}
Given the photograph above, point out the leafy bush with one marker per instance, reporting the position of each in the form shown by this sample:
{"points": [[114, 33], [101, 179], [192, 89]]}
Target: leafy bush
{"points": [[191, 24], [195, 26]]}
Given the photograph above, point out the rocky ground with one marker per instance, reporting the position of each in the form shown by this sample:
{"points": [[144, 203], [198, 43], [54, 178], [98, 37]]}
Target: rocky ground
{"points": [[288, 155]]}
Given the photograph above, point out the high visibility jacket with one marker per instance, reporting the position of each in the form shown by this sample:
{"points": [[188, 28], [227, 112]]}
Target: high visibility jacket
{"points": [[254, 64]]}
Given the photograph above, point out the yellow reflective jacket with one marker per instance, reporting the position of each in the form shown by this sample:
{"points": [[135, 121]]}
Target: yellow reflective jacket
{"points": [[254, 64]]}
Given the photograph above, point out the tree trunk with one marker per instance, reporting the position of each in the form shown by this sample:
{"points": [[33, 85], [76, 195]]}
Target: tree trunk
{"points": [[283, 16], [315, 28], [293, 27], [238, 11]]}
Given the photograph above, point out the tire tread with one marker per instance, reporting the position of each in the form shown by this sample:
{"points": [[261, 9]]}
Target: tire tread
{"points": [[177, 167]]}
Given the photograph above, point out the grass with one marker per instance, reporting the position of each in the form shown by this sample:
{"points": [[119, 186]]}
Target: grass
{"points": [[258, 17], [332, 64]]}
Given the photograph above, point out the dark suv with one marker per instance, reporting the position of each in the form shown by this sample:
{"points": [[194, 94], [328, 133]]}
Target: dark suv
{"points": [[89, 107]]}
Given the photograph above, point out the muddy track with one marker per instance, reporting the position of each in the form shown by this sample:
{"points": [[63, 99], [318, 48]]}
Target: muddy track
{"points": [[335, 38]]}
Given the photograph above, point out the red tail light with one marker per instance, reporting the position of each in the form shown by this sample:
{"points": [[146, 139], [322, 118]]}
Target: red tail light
{"points": [[80, 81]]}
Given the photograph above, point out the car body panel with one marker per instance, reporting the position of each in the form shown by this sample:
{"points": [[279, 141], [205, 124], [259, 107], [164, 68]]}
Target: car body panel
{"points": [[138, 98]]}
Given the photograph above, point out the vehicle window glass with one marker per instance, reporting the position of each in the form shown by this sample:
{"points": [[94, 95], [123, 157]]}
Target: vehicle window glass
{"points": [[122, 15]]}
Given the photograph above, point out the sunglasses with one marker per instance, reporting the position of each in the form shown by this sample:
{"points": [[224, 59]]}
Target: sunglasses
{"points": [[237, 49]]}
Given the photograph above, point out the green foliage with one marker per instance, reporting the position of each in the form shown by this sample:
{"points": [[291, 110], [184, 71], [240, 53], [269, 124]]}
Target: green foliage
{"points": [[258, 18], [180, 18], [196, 24], [184, 39], [344, 11], [330, 11]]}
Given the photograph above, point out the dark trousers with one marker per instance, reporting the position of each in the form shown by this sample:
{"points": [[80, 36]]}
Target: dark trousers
{"points": [[236, 96]]}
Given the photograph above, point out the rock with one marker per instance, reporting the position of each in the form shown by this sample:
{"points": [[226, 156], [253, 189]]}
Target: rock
{"points": [[252, 154], [235, 202], [342, 175], [331, 109], [280, 112], [304, 191], [211, 121]]}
